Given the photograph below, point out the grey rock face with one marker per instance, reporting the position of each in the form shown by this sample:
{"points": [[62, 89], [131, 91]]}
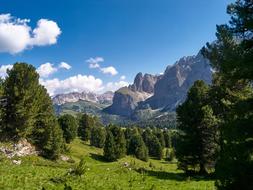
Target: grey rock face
{"points": [[165, 91], [172, 88], [126, 99], [105, 98], [144, 83]]}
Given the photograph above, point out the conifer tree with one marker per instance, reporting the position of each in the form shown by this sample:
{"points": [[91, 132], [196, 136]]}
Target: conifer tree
{"points": [[197, 131], [98, 136], [110, 147], [120, 141], [29, 111], [86, 123], [231, 56], [138, 148], [69, 126]]}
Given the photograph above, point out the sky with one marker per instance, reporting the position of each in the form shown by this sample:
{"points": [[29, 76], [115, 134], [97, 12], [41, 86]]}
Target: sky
{"points": [[100, 45]]}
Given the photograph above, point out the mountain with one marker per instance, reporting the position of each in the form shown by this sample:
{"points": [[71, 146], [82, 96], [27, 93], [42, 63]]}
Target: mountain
{"points": [[172, 88], [126, 99], [150, 93], [105, 98]]}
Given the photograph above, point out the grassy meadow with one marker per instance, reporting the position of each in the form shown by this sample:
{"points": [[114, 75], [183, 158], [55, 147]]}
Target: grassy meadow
{"points": [[38, 173]]}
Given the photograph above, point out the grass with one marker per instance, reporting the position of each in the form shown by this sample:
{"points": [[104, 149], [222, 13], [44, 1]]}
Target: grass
{"points": [[38, 173]]}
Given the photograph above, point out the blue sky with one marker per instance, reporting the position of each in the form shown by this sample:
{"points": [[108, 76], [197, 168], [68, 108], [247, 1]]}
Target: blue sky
{"points": [[130, 36]]}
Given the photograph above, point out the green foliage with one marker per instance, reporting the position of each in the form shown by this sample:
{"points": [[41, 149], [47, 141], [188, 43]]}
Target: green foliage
{"points": [[167, 138], [22, 90], [110, 147], [86, 123], [98, 136], [160, 137], [29, 112], [79, 169], [232, 55], [69, 126], [155, 149], [115, 143], [137, 147], [196, 146], [120, 141]]}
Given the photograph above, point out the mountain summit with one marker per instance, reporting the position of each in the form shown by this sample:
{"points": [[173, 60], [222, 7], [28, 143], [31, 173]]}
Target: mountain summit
{"points": [[162, 92]]}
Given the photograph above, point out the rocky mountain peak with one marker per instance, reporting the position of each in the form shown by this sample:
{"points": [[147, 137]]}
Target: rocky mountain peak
{"points": [[105, 98]]}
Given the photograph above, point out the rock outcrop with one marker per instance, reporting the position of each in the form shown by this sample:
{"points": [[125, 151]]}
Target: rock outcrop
{"points": [[126, 99], [162, 92], [172, 88], [105, 98]]}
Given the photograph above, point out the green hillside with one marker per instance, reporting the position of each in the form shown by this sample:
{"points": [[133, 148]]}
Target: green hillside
{"points": [[92, 108], [38, 173]]}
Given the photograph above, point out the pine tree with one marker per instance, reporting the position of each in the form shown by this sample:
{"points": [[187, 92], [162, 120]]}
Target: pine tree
{"points": [[198, 130], [21, 88], [110, 147], [98, 136], [160, 137], [120, 141], [86, 123], [231, 56], [138, 148], [69, 126], [29, 111]]}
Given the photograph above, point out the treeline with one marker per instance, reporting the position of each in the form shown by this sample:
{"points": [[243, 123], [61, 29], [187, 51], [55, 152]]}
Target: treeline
{"points": [[118, 142], [216, 121]]}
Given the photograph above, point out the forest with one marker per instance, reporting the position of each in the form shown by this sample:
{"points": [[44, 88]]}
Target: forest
{"points": [[211, 146]]}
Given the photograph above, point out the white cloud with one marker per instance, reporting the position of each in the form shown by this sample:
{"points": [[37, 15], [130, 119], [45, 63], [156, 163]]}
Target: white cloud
{"points": [[109, 70], [78, 83], [16, 35], [123, 77], [113, 86], [94, 62], [46, 69], [46, 33], [94, 65], [3, 69], [64, 65]]}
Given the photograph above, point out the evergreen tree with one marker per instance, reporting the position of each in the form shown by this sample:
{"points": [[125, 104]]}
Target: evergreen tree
{"points": [[196, 134], [21, 88], [110, 147], [155, 148], [86, 123], [167, 138], [98, 136], [160, 137], [29, 112], [232, 55], [138, 148], [69, 126], [120, 141]]}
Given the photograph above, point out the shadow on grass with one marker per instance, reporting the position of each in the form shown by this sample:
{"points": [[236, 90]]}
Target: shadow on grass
{"points": [[173, 176], [98, 157]]}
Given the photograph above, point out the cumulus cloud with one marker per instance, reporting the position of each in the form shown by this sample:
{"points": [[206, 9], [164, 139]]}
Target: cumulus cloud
{"points": [[94, 62], [46, 69], [64, 65], [113, 86], [16, 35], [78, 83], [123, 77], [109, 70], [4, 68]]}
